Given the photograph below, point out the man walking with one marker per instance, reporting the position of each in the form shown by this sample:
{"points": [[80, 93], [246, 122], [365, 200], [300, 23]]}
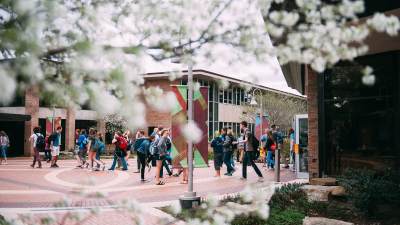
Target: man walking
{"points": [[55, 144], [227, 147], [249, 152], [38, 144]]}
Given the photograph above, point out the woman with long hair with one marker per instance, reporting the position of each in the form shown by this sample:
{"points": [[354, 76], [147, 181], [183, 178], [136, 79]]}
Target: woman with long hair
{"points": [[270, 146], [160, 155], [92, 148], [4, 144]]}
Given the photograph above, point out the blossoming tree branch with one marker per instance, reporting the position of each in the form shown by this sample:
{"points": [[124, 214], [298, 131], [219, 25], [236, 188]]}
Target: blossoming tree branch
{"points": [[77, 52]]}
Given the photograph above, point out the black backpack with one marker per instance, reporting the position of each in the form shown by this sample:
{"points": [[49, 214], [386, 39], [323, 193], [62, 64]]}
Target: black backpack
{"points": [[255, 144], [40, 142]]}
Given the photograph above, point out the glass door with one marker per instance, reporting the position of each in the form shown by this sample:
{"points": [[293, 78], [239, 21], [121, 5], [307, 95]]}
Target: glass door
{"points": [[301, 147]]}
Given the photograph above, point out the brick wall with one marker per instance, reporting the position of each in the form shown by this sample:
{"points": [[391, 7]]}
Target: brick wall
{"points": [[70, 129], [312, 105], [154, 117], [32, 109]]}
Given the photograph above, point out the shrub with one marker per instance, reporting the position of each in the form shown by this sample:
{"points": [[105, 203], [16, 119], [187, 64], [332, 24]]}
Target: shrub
{"points": [[288, 216], [286, 195], [369, 189]]}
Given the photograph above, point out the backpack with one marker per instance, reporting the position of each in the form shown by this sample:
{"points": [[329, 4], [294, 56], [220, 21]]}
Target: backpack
{"points": [[122, 144], [40, 142], [96, 144], [255, 144], [154, 148]]}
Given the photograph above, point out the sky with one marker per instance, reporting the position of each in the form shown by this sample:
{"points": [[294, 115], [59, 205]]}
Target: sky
{"points": [[267, 73]]}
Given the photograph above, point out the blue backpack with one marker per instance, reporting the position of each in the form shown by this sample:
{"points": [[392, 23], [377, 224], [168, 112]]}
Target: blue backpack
{"points": [[154, 148]]}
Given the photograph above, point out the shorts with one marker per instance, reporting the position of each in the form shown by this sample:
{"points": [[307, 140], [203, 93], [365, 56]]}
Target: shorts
{"points": [[55, 150], [159, 157]]}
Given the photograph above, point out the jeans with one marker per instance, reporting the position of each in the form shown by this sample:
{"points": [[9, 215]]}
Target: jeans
{"points": [[142, 160], [165, 164], [122, 158], [36, 158], [249, 159], [228, 161], [47, 154], [3, 151], [270, 159], [140, 164]]}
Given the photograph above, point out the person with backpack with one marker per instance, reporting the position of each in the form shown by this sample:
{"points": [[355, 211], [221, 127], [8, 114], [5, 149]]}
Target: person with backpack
{"points": [[167, 160], [228, 148], [159, 153], [121, 145], [142, 152], [101, 150], [82, 152], [92, 147], [270, 146], [250, 151], [127, 136], [38, 144], [138, 141], [55, 144], [4, 144], [218, 150]]}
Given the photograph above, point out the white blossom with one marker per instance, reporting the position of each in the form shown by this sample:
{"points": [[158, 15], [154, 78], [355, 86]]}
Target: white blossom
{"points": [[7, 86], [192, 132]]}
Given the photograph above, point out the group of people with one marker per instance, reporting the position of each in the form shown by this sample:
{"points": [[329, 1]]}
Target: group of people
{"points": [[155, 150], [50, 145], [248, 149]]}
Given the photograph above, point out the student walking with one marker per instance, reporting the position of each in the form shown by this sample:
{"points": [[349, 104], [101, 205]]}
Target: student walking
{"points": [[217, 146], [142, 152], [270, 146], [47, 150], [82, 152], [159, 155], [121, 144], [167, 160], [4, 144], [227, 146], [249, 151], [101, 150], [92, 147], [38, 144], [55, 143]]}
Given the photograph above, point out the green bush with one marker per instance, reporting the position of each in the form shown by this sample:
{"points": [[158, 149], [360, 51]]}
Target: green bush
{"points": [[286, 195], [248, 220], [288, 216], [369, 189], [3, 221]]}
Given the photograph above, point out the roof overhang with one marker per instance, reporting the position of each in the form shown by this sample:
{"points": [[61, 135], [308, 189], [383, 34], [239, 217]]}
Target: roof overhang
{"points": [[9, 117]]}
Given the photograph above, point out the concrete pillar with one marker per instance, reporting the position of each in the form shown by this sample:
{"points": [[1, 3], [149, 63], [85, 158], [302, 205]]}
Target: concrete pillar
{"points": [[32, 109], [70, 129], [312, 105]]}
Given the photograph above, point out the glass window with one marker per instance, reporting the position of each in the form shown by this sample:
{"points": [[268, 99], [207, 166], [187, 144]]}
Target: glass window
{"points": [[221, 95], [230, 96], [225, 96], [242, 97], [211, 93], [215, 111], [210, 111]]}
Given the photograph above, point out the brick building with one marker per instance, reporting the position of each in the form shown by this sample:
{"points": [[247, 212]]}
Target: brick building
{"points": [[351, 124], [225, 109]]}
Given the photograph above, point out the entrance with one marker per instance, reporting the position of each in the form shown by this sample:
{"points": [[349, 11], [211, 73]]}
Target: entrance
{"points": [[301, 146]]}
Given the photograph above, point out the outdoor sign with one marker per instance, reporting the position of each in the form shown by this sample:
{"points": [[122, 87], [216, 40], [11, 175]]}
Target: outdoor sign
{"points": [[179, 118], [50, 128]]}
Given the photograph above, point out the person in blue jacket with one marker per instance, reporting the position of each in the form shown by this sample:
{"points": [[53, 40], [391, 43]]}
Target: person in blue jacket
{"points": [[217, 145]]}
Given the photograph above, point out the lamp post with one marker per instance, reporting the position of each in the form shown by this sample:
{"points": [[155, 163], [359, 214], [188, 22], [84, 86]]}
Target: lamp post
{"points": [[253, 102], [189, 199]]}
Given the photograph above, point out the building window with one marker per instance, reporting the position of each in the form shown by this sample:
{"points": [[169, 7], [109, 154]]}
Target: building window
{"points": [[221, 95], [230, 96], [225, 96]]}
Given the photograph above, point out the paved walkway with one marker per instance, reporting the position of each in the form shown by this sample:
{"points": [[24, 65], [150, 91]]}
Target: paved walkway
{"points": [[38, 191]]}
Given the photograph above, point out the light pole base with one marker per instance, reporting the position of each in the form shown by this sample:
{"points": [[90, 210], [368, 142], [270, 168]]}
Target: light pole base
{"points": [[189, 200]]}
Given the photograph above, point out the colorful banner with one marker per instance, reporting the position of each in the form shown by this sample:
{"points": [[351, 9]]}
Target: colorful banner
{"points": [[179, 117], [265, 125], [49, 124]]}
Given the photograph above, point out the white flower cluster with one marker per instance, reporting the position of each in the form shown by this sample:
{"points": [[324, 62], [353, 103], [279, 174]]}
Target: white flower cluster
{"points": [[327, 34], [92, 52], [255, 202]]}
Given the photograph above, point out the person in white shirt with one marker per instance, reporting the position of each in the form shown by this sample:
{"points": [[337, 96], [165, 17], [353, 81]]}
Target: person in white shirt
{"points": [[35, 146]]}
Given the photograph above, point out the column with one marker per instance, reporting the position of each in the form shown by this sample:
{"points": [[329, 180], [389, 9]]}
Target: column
{"points": [[32, 109], [70, 129], [312, 105]]}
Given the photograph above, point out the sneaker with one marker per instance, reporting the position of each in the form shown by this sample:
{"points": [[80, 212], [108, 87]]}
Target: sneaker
{"points": [[260, 179], [226, 174], [124, 169], [137, 171], [242, 178], [111, 169], [53, 166], [229, 174], [32, 166], [56, 165]]}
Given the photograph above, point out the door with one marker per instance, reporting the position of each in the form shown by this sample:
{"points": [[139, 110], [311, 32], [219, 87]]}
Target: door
{"points": [[301, 148]]}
